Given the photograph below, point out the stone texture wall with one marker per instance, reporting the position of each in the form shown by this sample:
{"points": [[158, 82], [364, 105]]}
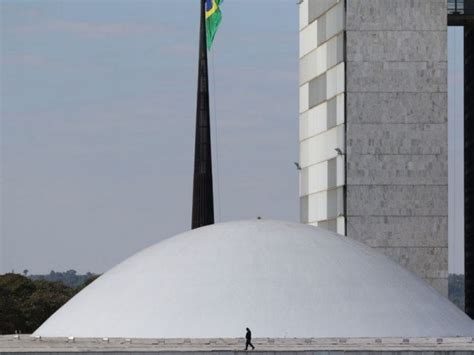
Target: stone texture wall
{"points": [[396, 134]]}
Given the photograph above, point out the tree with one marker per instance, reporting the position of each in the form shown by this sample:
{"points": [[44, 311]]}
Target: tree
{"points": [[25, 304], [15, 290], [91, 278], [47, 298], [25, 272]]}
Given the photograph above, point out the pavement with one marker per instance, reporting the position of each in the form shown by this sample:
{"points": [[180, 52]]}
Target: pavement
{"points": [[29, 344]]}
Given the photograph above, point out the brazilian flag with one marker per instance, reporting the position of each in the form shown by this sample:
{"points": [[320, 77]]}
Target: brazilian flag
{"points": [[213, 19]]}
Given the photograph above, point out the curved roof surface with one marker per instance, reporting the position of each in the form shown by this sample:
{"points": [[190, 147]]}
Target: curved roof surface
{"points": [[280, 279]]}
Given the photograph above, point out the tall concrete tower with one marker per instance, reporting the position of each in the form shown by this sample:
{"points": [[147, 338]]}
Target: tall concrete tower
{"points": [[373, 127]]}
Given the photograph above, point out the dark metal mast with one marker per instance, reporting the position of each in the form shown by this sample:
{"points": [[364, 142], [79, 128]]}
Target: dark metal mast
{"points": [[203, 199]]}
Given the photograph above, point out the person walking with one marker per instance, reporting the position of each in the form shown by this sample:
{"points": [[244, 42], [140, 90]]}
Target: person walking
{"points": [[248, 339]]}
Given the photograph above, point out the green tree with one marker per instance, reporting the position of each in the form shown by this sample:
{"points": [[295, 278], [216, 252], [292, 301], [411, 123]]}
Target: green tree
{"points": [[15, 290], [91, 278], [25, 304], [47, 298]]}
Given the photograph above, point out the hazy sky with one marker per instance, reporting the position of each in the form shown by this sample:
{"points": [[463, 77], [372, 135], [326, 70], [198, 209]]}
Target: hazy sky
{"points": [[98, 114], [98, 122]]}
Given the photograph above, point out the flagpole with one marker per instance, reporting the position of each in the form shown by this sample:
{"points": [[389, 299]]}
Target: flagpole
{"points": [[203, 199]]}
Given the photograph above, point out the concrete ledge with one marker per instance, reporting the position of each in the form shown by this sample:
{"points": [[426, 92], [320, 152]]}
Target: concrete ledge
{"points": [[10, 344]]}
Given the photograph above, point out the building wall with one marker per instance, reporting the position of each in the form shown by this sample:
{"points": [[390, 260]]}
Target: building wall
{"points": [[322, 72], [390, 93], [396, 139]]}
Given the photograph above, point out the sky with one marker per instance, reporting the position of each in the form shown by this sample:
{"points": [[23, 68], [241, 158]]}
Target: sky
{"points": [[98, 116], [98, 119]]}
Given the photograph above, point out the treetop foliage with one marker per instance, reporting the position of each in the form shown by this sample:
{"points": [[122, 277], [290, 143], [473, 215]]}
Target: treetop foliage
{"points": [[26, 303]]}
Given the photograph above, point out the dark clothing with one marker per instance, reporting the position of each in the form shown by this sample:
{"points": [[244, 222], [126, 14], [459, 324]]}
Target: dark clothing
{"points": [[247, 343], [248, 337]]}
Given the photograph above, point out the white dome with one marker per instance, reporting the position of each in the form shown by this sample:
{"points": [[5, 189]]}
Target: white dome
{"points": [[279, 279]]}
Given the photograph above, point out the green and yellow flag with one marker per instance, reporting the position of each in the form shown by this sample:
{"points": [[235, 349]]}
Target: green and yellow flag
{"points": [[213, 19]]}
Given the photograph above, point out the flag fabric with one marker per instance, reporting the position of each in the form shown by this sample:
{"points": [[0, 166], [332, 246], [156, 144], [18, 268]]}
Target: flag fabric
{"points": [[213, 19]]}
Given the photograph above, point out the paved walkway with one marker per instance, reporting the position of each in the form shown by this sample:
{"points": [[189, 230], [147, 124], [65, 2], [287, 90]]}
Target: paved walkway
{"points": [[27, 343]]}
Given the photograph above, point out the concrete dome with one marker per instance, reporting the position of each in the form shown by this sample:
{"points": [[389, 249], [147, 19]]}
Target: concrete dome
{"points": [[279, 279]]}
